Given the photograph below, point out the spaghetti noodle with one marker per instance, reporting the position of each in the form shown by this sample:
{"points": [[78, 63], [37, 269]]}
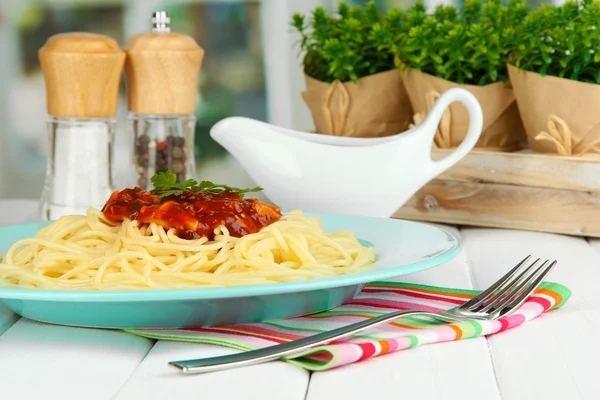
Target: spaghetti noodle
{"points": [[92, 252]]}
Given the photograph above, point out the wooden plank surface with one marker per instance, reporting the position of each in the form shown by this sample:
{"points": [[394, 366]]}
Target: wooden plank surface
{"points": [[458, 370], [552, 357], [525, 169], [506, 206], [154, 379], [7, 318], [42, 361], [19, 211], [595, 244]]}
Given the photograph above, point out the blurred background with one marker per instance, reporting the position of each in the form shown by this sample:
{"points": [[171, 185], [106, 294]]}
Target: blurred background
{"points": [[251, 68]]}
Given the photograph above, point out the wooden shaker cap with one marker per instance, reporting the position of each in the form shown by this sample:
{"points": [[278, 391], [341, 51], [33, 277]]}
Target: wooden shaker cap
{"points": [[82, 72], [162, 73]]}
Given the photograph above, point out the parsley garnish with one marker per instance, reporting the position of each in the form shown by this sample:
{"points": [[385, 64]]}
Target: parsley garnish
{"points": [[165, 184]]}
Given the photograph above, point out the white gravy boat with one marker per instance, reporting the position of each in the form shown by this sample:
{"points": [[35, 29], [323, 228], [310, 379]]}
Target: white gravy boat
{"points": [[340, 175]]}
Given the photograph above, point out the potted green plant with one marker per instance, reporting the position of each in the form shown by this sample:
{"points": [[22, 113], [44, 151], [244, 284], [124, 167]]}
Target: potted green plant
{"points": [[555, 71], [353, 84], [446, 49]]}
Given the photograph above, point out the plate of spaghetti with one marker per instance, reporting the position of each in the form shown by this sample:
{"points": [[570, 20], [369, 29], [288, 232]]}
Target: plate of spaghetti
{"points": [[200, 254]]}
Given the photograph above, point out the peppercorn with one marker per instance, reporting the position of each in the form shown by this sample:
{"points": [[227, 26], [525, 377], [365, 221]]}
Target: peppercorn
{"points": [[168, 154]]}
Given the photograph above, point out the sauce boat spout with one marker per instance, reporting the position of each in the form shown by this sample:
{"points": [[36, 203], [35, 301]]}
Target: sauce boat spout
{"points": [[339, 175]]}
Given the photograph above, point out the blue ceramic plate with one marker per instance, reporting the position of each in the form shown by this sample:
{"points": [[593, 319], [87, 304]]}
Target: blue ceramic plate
{"points": [[402, 248]]}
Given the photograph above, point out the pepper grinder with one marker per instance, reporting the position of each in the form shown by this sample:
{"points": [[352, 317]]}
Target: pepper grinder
{"points": [[82, 73], [162, 73]]}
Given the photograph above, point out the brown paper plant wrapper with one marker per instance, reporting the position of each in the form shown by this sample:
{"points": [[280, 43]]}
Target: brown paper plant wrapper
{"points": [[374, 106], [560, 115], [502, 126]]}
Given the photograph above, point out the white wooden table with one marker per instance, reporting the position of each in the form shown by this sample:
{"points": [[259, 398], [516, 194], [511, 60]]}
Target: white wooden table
{"points": [[553, 357]]}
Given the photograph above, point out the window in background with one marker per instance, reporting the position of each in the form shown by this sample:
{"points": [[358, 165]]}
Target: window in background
{"points": [[231, 81], [25, 28]]}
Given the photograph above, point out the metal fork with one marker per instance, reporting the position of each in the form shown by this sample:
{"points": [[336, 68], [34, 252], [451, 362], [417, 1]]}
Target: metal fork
{"points": [[499, 300]]}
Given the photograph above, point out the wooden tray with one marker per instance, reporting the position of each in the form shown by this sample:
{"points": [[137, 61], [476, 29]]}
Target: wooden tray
{"points": [[517, 190]]}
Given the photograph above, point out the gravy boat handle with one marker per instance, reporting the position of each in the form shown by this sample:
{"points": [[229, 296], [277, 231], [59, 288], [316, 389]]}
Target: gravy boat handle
{"points": [[475, 126]]}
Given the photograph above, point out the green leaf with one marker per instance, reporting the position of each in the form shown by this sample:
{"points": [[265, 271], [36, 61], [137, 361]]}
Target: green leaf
{"points": [[469, 46], [164, 179], [357, 41], [165, 184], [566, 39]]}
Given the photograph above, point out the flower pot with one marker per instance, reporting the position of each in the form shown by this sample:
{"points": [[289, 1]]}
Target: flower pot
{"points": [[374, 106], [502, 126], [560, 115]]}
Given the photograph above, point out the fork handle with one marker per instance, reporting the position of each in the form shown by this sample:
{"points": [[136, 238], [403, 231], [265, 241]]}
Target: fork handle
{"points": [[275, 352]]}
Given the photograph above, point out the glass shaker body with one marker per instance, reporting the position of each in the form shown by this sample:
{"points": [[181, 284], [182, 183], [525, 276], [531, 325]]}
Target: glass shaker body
{"points": [[78, 174], [162, 143]]}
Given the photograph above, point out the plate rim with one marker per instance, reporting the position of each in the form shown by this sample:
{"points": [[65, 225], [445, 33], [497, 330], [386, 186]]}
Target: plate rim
{"points": [[164, 295]]}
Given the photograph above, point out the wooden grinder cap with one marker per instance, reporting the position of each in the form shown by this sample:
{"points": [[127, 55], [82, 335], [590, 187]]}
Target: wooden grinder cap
{"points": [[82, 73], [162, 73]]}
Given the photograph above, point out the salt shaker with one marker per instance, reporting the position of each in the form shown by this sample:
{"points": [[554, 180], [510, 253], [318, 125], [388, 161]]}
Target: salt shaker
{"points": [[162, 73], [82, 72]]}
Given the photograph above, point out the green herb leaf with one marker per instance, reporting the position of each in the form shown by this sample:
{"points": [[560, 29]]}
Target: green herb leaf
{"points": [[355, 42], [468, 47], [164, 180], [561, 41], [165, 184]]}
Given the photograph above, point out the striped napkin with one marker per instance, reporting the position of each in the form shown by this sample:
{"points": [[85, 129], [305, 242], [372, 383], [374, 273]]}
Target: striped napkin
{"points": [[376, 298]]}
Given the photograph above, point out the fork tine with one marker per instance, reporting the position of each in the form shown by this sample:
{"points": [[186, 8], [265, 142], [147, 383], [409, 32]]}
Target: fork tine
{"points": [[513, 304], [516, 284], [480, 298]]}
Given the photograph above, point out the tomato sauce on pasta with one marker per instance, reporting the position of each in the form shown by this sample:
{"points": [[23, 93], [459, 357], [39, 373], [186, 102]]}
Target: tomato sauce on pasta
{"points": [[193, 214]]}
